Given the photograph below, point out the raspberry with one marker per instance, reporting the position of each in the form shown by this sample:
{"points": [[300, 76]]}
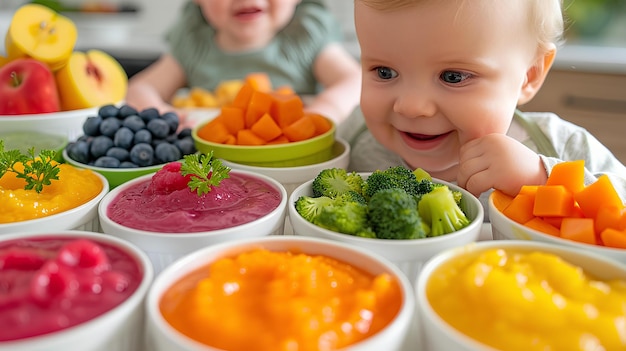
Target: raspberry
{"points": [[169, 179], [84, 253]]}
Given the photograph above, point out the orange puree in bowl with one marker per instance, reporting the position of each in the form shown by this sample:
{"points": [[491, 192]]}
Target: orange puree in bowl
{"points": [[530, 301], [73, 188], [263, 300]]}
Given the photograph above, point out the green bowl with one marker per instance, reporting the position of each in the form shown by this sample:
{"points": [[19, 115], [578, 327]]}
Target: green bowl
{"points": [[115, 176], [300, 153], [25, 140]]}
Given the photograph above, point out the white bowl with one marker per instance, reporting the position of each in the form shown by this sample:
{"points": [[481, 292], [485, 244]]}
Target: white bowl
{"points": [[120, 329], [163, 248], [83, 217], [165, 338], [67, 123], [439, 335], [408, 255], [504, 228]]}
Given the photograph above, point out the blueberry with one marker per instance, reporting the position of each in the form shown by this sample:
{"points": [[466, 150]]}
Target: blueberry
{"points": [[124, 138], [107, 111], [186, 146], [142, 154], [127, 164], [100, 145], [172, 120], [109, 126], [107, 162], [126, 111], [166, 152], [118, 153], [134, 123], [86, 138], [185, 132], [156, 142], [159, 128], [79, 151], [149, 114], [91, 126], [142, 136]]}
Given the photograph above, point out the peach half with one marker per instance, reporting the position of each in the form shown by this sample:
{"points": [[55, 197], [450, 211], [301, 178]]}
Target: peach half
{"points": [[91, 78], [38, 32]]}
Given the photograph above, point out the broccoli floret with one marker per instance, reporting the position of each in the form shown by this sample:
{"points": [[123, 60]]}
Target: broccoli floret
{"points": [[455, 193], [393, 214], [351, 196], [441, 212], [310, 207], [393, 177], [334, 181], [348, 217]]}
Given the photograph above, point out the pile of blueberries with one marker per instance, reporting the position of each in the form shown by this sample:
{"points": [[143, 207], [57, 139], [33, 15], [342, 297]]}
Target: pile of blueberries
{"points": [[123, 137]]}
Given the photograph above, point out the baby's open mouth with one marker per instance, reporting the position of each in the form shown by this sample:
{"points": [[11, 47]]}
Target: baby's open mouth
{"points": [[425, 137], [248, 11]]}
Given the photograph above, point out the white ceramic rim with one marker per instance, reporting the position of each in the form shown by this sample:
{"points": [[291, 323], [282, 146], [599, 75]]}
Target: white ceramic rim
{"points": [[111, 195], [449, 254], [41, 221], [137, 297], [194, 260], [476, 222], [550, 238]]}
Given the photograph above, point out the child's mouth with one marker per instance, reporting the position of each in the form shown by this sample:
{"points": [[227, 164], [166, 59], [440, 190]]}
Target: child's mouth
{"points": [[425, 137], [424, 142], [248, 12]]}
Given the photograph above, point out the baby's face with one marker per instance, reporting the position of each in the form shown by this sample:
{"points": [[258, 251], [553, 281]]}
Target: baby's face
{"points": [[436, 76], [247, 24]]}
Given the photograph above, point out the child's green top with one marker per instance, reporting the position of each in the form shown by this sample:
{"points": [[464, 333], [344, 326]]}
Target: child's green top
{"points": [[288, 59]]}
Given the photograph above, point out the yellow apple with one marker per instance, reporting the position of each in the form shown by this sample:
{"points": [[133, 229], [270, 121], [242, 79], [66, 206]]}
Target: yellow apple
{"points": [[92, 78], [3, 60], [38, 32]]}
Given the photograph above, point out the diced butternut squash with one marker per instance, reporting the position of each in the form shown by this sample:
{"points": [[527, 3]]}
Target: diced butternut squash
{"points": [[540, 225], [570, 174], [242, 98], [579, 229], [608, 216], [260, 103], [214, 131], [521, 208], [302, 129], [322, 124], [247, 137], [601, 192], [259, 81], [286, 109], [266, 128], [233, 119], [282, 139], [553, 201], [613, 238], [500, 199]]}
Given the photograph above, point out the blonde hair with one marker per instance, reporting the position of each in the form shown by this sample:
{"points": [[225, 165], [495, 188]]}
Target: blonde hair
{"points": [[545, 16]]}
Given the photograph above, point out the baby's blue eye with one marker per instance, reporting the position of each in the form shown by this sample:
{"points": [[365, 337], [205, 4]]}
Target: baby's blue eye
{"points": [[454, 77], [386, 73]]}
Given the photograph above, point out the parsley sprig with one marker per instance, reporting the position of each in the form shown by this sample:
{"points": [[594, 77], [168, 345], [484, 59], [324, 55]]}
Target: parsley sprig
{"points": [[205, 170], [38, 170]]}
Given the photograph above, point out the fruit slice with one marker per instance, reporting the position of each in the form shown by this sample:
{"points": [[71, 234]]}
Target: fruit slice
{"points": [[38, 32], [92, 78]]}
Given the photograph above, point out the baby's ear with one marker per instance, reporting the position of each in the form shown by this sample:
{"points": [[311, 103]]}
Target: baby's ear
{"points": [[536, 75]]}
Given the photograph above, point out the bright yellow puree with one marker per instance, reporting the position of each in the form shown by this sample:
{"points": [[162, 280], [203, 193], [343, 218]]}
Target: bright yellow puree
{"points": [[280, 301], [73, 188], [530, 301]]}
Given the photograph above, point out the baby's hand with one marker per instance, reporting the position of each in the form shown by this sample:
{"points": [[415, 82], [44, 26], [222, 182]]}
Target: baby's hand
{"points": [[500, 162]]}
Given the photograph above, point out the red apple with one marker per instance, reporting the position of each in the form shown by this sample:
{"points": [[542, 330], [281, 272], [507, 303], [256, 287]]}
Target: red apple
{"points": [[27, 86]]}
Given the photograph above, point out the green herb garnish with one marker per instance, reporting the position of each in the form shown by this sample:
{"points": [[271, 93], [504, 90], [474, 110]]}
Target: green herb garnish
{"points": [[205, 172], [39, 170]]}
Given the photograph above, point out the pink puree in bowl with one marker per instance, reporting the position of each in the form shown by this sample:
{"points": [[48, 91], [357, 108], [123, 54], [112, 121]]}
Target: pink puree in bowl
{"points": [[52, 283], [165, 204]]}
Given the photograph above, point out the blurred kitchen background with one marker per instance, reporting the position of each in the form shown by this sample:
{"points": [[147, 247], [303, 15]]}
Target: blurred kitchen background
{"points": [[587, 84]]}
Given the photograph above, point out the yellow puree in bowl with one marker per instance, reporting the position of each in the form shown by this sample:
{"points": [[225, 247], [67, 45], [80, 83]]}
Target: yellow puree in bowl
{"points": [[280, 301], [530, 301], [73, 188]]}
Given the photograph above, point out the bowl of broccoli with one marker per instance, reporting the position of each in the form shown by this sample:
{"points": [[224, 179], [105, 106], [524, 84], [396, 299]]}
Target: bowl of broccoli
{"points": [[403, 215]]}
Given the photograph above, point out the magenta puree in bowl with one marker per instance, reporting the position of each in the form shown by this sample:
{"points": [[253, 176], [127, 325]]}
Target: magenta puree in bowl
{"points": [[237, 200], [52, 283]]}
